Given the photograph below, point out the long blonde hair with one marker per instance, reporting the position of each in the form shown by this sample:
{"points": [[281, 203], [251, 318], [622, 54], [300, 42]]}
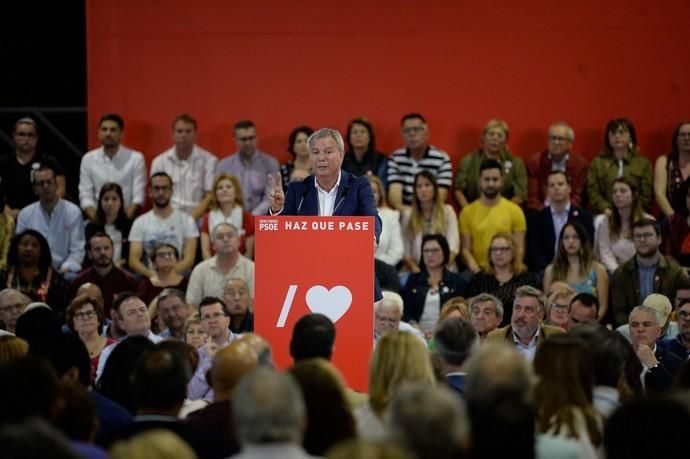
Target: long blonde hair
{"points": [[239, 200], [438, 221]]}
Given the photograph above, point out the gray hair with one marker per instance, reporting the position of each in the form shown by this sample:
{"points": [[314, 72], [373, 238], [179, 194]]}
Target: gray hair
{"points": [[484, 297], [497, 368], [230, 225], [390, 299], [658, 316], [327, 132], [571, 131], [269, 408], [9, 291], [429, 420], [529, 291]]}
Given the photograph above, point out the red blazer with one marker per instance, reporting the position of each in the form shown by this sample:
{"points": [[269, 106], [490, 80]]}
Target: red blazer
{"points": [[538, 168]]}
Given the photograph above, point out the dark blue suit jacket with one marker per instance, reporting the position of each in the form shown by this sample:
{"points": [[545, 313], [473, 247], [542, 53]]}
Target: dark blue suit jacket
{"points": [[354, 198]]}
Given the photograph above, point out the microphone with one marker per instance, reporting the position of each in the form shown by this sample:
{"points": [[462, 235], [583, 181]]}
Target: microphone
{"points": [[342, 198], [301, 199]]}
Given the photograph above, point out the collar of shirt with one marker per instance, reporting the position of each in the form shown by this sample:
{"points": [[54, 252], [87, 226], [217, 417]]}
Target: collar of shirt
{"points": [[532, 344], [566, 211], [561, 165], [172, 156], [108, 158], [327, 198]]}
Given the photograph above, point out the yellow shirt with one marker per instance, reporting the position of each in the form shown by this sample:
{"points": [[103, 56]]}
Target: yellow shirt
{"points": [[482, 223]]}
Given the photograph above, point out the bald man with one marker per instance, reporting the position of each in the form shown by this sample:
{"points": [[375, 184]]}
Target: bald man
{"points": [[229, 365], [261, 347]]}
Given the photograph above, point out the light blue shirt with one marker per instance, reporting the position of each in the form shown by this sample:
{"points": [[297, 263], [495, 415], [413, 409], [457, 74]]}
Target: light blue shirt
{"points": [[253, 177], [63, 229], [559, 221]]}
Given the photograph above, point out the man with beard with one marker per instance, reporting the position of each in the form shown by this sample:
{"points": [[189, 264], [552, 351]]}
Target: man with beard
{"points": [[174, 312], [526, 330], [112, 162], [488, 215], [103, 272], [645, 273], [162, 224]]}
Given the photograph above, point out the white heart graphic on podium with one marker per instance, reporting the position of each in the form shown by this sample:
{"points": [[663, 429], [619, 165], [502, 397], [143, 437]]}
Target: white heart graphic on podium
{"points": [[332, 303]]}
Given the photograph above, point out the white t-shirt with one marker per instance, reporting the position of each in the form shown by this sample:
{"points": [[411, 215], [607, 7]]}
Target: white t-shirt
{"points": [[116, 235], [432, 311], [150, 230]]}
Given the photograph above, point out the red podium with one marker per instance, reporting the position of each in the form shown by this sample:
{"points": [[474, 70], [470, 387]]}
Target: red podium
{"points": [[317, 264]]}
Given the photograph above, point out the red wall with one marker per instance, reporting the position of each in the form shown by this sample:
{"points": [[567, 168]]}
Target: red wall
{"points": [[460, 63]]}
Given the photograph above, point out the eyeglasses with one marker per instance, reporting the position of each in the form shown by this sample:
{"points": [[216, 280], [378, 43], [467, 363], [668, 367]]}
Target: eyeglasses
{"points": [[683, 315], [390, 320], [213, 315], [499, 249], [12, 308], [643, 236], [248, 138], [85, 315], [555, 138], [685, 135], [42, 183], [559, 306], [412, 130]]}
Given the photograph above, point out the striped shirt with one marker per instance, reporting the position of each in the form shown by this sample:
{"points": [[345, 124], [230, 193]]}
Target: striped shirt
{"points": [[402, 168]]}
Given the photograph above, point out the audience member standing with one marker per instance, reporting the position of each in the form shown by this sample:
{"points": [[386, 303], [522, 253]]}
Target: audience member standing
{"points": [[672, 171]]}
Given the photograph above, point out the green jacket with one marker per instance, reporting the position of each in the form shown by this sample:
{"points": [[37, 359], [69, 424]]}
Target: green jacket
{"points": [[604, 170], [514, 176], [625, 286]]}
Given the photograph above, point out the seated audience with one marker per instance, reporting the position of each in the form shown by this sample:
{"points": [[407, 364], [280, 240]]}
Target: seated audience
{"points": [[388, 317], [675, 242], [85, 317], [486, 314], [29, 270], [112, 220], [454, 341], [103, 272], [504, 274], [361, 157], [174, 313], [662, 304], [164, 260], [426, 291], [671, 174], [455, 307], [190, 166], [59, 222], [647, 272], [427, 215], [583, 309], [12, 305], [613, 240], [558, 301], [544, 226], [620, 158], [194, 333], [240, 305], [210, 276], [489, 214], [493, 147], [574, 264], [162, 224], [680, 343], [300, 162], [226, 206], [390, 249], [558, 156], [526, 330]]}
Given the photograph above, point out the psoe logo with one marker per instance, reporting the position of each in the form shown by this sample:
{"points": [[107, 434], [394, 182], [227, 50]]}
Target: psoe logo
{"points": [[268, 225]]}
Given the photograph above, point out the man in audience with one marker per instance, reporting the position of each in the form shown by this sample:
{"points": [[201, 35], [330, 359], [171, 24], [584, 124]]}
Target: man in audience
{"points": [[58, 220], [174, 312], [261, 348], [454, 340], [486, 314], [544, 227], [191, 168], [417, 154], [16, 171], [251, 167], [662, 305], [680, 343], [645, 273], [239, 300], [270, 416], [229, 365], [12, 305], [162, 224], [659, 364], [488, 215], [215, 320], [133, 318], [210, 276], [526, 330], [112, 162], [582, 309], [388, 317], [109, 278], [557, 157]]}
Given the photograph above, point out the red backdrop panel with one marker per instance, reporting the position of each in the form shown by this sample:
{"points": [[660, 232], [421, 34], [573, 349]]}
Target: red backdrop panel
{"points": [[321, 63]]}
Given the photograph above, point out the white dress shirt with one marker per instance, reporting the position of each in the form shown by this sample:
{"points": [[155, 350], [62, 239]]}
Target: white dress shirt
{"points": [[327, 198]]}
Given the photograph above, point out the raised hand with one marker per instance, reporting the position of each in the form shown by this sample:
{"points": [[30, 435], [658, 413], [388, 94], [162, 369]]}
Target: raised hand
{"points": [[276, 196]]}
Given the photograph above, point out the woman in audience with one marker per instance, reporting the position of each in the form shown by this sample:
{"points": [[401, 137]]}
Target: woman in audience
{"points": [[330, 419], [84, 316], [297, 146], [428, 215], [6, 233], [493, 146], [575, 265], [164, 258], [361, 157], [398, 357], [227, 206], [563, 394], [557, 304], [29, 269], [390, 248], [613, 237], [112, 220], [620, 157], [672, 171], [676, 239], [194, 333], [12, 348], [506, 273], [427, 290]]}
